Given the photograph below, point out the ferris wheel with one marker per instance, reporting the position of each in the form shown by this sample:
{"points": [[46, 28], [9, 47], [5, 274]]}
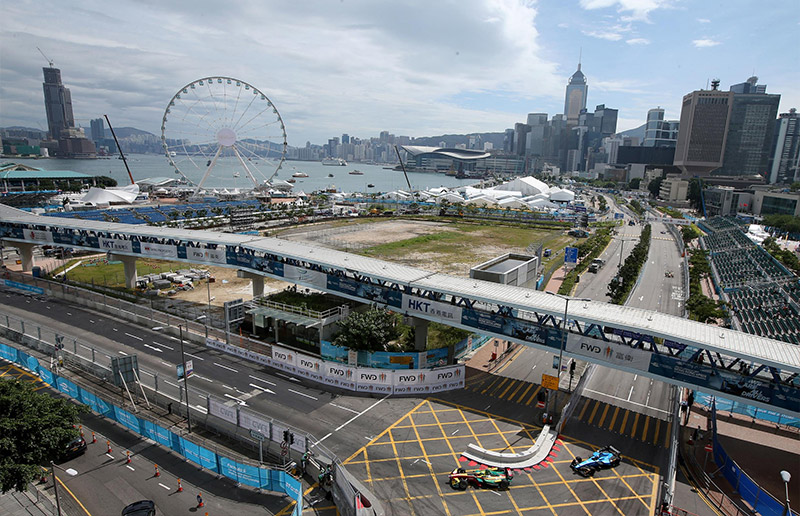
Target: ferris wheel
{"points": [[221, 127]]}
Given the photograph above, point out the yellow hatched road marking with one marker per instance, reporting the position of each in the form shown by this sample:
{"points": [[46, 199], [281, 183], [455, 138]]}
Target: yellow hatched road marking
{"points": [[505, 379], [522, 396], [428, 462], [635, 422], [613, 418], [624, 421], [491, 384], [594, 411], [538, 388], [510, 385], [668, 434], [521, 384], [644, 429], [658, 427], [583, 410], [603, 417]]}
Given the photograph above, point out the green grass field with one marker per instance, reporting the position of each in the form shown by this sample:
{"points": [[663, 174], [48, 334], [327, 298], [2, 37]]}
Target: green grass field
{"points": [[100, 272]]}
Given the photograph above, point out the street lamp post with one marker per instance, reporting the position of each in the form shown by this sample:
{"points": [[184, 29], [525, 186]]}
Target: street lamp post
{"points": [[564, 330], [786, 477], [71, 472], [185, 381]]}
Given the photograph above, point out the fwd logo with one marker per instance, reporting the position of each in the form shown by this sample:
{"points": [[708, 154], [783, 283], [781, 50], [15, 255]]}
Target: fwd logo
{"points": [[407, 378], [306, 363], [337, 372], [442, 376], [369, 376], [591, 348], [280, 356]]}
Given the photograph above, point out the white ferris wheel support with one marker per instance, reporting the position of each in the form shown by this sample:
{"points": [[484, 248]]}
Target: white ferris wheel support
{"points": [[245, 167], [208, 172]]}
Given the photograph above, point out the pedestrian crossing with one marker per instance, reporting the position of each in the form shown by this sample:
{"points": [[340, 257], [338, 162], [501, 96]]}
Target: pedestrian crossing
{"points": [[635, 425]]}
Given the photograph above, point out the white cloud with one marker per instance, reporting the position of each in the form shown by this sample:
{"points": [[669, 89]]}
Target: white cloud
{"points": [[618, 86], [639, 9], [638, 41], [705, 42], [609, 35], [703, 20]]}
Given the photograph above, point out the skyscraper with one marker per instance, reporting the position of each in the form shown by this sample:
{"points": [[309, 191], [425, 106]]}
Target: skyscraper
{"points": [[705, 116], [575, 99], [750, 132], [785, 167], [659, 132], [57, 103], [98, 129]]}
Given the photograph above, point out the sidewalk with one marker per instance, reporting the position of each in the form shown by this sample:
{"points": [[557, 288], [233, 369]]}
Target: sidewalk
{"points": [[481, 358], [22, 504]]}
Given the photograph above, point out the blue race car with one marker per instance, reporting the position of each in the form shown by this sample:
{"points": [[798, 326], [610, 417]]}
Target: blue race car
{"points": [[603, 458]]}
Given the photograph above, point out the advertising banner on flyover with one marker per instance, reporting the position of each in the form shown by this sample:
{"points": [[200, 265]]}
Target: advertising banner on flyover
{"points": [[308, 277], [201, 254], [444, 311], [39, 236], [115, 244], [340, 375], [159, 250], [611, 353]]}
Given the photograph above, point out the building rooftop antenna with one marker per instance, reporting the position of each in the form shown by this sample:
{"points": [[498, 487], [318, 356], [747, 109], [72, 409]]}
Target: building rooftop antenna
{"points": [[48, 59]]}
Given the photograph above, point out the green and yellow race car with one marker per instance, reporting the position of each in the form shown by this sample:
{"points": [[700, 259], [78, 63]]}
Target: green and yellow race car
{"points": [[499, 478]]}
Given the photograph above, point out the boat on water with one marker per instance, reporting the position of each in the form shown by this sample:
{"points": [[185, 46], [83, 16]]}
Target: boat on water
{"points": [[330, 175], [370, 185], [336, 162], [291, 180], [356, 173], [299, 174]]}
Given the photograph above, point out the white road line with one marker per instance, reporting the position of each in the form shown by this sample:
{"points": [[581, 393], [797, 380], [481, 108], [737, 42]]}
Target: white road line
{"points": [[153, 348], [110, 456], [69, 314], [134, 336], [292, 378], [456, 431], [165, 487], [195, 356], [122, 353], [114, 329], [195, 375], [240, 402], [91, 321], [339, 406], [263, 389], [227, 387], [631, 402], [166, 363], [303, 394], [225, 367], [170, 383], [358, 415], [85, 347], [164, 346], [130, 468], [261, 379], [630, 393], [202, 409]]}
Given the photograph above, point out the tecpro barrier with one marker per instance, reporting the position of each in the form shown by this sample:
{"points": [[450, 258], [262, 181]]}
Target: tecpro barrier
{"points": [[360, 379], [247, 474]]}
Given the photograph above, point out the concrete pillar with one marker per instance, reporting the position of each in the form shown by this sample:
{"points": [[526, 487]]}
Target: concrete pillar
{"points": [[26, 254], [257, 279], [129, 264], [420, 333]]}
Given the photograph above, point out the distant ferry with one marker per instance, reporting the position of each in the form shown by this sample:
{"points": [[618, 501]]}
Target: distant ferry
{"points": [[299, 174], [337, 162], [356, 173]]}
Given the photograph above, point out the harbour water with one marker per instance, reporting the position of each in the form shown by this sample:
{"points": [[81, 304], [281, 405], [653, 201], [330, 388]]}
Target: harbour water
{"points": [[225, 173]]}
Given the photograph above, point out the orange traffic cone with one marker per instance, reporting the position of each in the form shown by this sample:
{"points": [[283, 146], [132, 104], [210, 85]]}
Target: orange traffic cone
{"points": [[180, 487], [158, 473], [94, 439], [108, 443], [128, 459], [200, 500]]}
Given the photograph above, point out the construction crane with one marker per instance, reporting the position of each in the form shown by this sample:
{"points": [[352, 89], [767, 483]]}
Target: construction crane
{"points": [[48, 59]]}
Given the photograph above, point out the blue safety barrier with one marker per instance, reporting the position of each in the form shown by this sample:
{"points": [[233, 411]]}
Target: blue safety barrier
{"points": [[259, 477], [748, 410]]}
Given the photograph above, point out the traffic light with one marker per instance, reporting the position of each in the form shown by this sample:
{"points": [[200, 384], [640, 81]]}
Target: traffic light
{"points": [[291, 438], [286, 436], [572, 367]]}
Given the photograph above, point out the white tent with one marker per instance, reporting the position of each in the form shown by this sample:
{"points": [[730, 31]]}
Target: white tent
{"points": [[104, 196], [526, 185], [481, 200], [562, 195]]}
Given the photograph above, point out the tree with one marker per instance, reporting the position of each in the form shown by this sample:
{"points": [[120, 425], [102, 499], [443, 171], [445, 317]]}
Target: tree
{"points": [[695, 194], [635, 183], [688, 234], [35, 428], [654, 186], [795, 186], [369, 331]]}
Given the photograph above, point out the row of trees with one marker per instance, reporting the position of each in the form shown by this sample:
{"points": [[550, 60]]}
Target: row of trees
{"points": [[701, 307], [785, 256], [622, 284], [588, 250]]}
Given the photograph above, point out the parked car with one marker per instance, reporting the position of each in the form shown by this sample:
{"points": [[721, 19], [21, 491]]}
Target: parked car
{"points": [[140, 508], [75, 447]]}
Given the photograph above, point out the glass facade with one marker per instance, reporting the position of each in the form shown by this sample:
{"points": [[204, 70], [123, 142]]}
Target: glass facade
{"points": [[778, 206]]}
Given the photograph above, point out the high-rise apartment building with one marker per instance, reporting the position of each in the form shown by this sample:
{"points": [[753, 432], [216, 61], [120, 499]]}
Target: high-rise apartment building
{"points": [[98, 129], [575, 99], [785, 167], [659, 132], [57, 103], [705, 115], [748, 145]]}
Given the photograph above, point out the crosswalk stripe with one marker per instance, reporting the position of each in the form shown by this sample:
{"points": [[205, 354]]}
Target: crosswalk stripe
{"points": [[583, 410], [496, 379], [635, 422], [613, 418], [522, 396], [603, 417], [594, 411], [530, 400], [644, 429], [624, 421], [513, 382], [519, 386], [496, 389], [668, 434]]}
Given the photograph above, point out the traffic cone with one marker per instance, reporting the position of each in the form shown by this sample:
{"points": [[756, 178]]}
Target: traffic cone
{"points": [[108, 443], [200, 500], [128, 459], [94, 438], [158, 473], [180, 487], [43, 476], [80, 428]]}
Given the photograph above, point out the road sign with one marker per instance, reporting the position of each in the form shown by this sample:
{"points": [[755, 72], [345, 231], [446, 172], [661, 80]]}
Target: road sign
{"points": [[550, 382], [619, 215], [258, 436], [571, 255], [189, 369], [234, 310], [708, 447]]}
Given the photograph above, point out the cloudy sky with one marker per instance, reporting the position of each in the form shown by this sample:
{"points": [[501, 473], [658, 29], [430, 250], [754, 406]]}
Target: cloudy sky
{"points": [[418, 68]]}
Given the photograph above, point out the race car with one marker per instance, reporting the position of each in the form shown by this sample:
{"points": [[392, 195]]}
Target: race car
{"points": [[500, 478], [603, 458]]}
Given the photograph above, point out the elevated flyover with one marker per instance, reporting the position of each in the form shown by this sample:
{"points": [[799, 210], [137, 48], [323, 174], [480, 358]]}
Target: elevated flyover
{"points": [[748, 368]]}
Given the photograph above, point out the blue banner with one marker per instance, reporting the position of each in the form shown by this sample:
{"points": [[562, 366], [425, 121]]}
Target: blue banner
{"points": [[127, 419], [9, 353], [190, 450], [373, 293], [23, 287], [67, 387], [208, 459], [45, 375]]}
